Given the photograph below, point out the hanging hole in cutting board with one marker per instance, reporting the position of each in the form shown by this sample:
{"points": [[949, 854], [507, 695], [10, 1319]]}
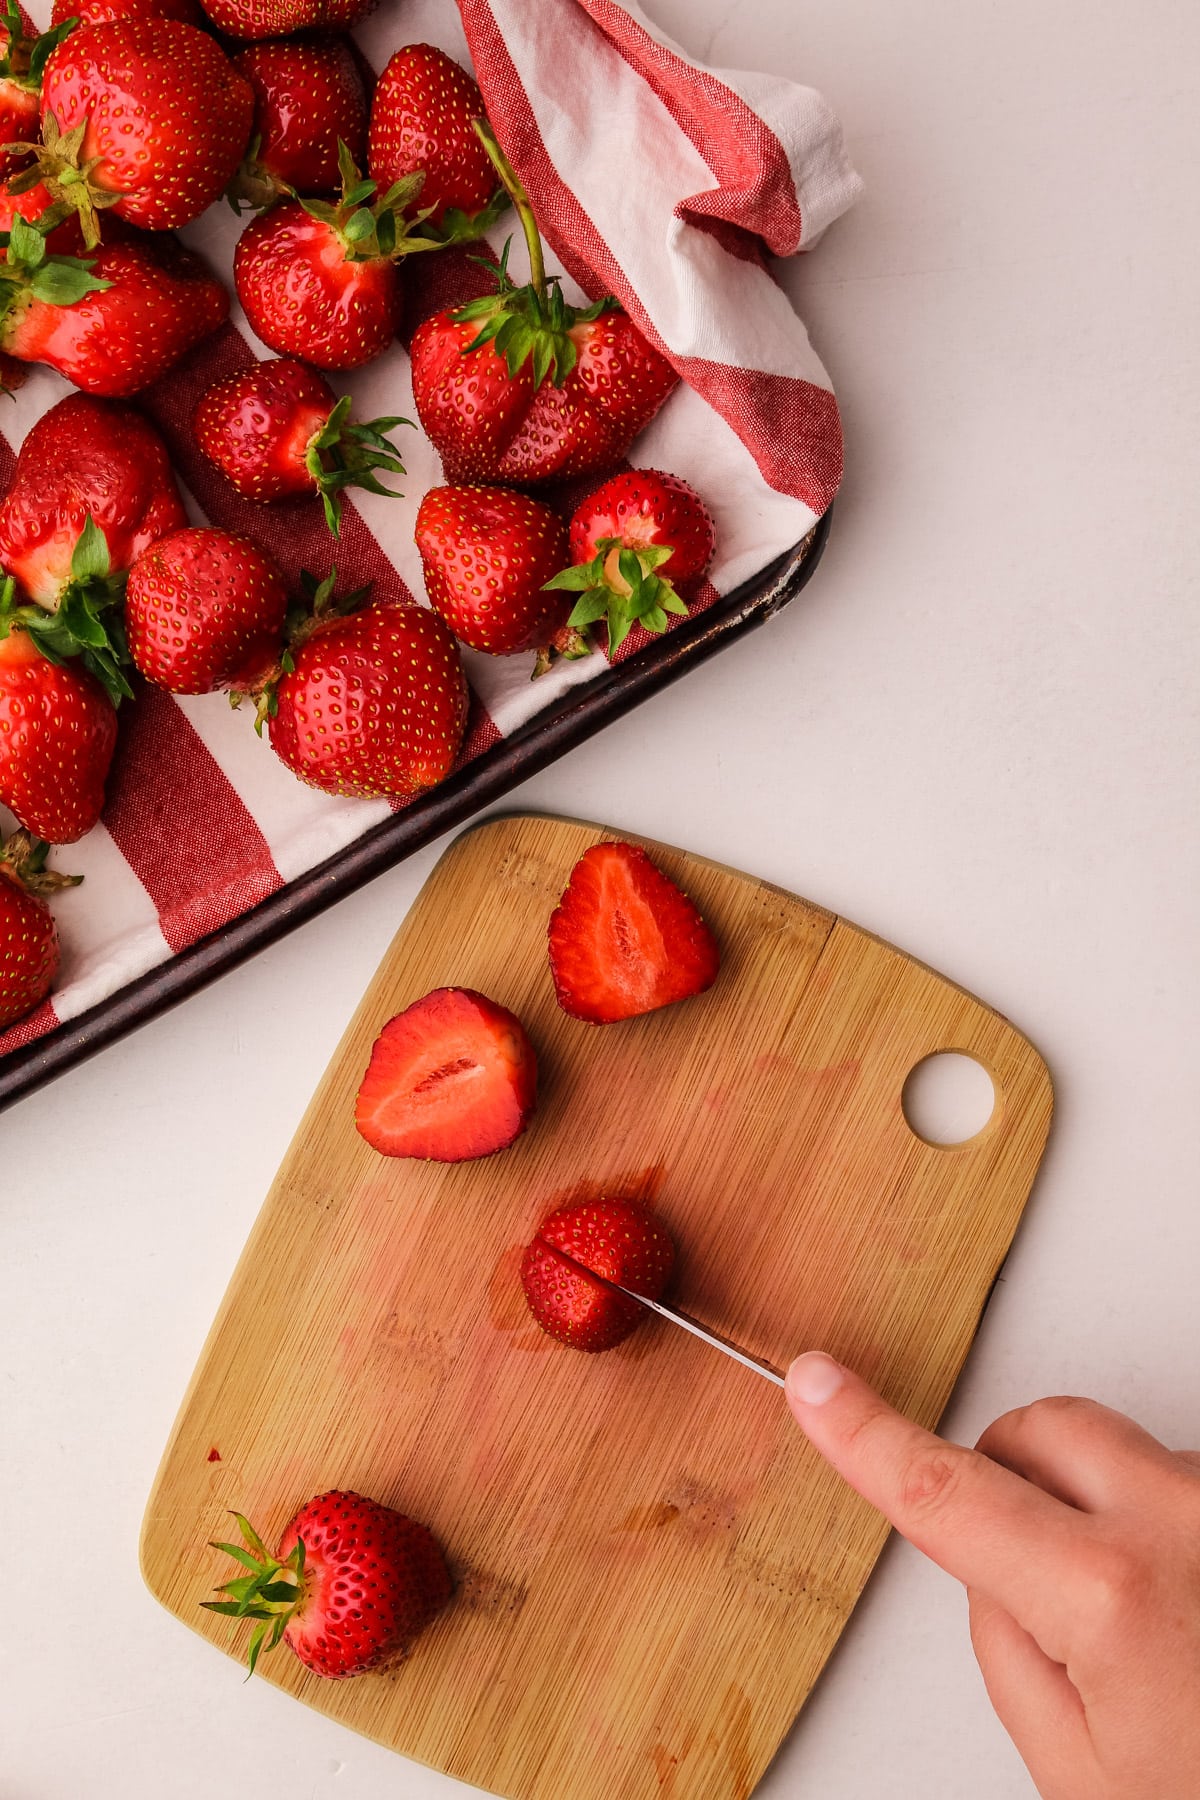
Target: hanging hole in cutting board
{"points": [[948, 1099]]}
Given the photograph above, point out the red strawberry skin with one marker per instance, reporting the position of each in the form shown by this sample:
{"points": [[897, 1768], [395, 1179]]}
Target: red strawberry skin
{"points": [[58, 730], [278, 18], [487, 553], [490, 426], [19, 112], [619, 1239], [643, 508], [166, 112], [257, 424], [29, 953], [624, 940], [161, 303], [451, 1078], [304, 298], [205, 609], [421, 119], [308, 93], [102, 12], [373, 1579], [375, 704], [85, 458], [63, 240]]}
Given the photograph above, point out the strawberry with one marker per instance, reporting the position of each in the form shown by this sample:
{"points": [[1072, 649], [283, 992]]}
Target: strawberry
{"points": [[318, 279], [621, 537], [278, 18], [421, 119], [372, 702], [145, 115], [58, 730], [624, 940], [351, 1585], [22, 62], [488, 555], [205, 609], [113, 323], [308, 98], [276, 430], [63, 238], [28, 936], [451, 1078], [618, 1239], [102, 12], [518, 387]]}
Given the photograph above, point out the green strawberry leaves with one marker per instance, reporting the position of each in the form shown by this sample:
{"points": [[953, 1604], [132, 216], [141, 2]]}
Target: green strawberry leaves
{"points": [[24, 58], [86, 624], [270, 1593], [368, 224], [621, 585], [28, 268], [346, 454], [68, 181], [319, 605]]}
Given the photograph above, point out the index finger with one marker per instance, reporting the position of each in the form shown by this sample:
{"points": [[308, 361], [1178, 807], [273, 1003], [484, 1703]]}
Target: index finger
{"points": [[984, 1525]]}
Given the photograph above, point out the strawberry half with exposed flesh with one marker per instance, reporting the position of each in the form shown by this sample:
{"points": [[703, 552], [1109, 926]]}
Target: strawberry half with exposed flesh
{"points": [[422, 118], [279, 18], [624, 940], [308, 98], [319, 279], [518, 387], [205, 609], [620, 539], [451, 1078], [276, 430], [488, 555], [621, 1240], [58, 731], [29, 953], [351, 1585], [112, 323], [369, 702], [22, 63], [103, 12]]}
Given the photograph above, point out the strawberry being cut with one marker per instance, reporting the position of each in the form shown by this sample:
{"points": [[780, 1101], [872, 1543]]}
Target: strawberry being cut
{"points": [[22, 60], [640, 547], [621, 1240], [624, 940], [308, 98], [277, 18], [29, 952], [205, 609], [276, 430], [349, 1588], [58, 731], [488, 555], [421, 120], [517, 387], [451, 1078]]}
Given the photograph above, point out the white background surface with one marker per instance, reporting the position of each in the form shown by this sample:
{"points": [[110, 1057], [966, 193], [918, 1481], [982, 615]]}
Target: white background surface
{"points": [[976, 734]]}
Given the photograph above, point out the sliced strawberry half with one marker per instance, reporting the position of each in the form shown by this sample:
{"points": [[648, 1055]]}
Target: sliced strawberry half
{"points": [[625, 940], [450, 1078], [618, 1239]]}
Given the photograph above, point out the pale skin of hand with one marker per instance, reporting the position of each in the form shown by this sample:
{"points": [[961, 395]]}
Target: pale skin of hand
{"points": [[1077, 1537]]}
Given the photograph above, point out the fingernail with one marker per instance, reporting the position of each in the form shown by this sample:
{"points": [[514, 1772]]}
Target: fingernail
{"points": [[814, 1378]]}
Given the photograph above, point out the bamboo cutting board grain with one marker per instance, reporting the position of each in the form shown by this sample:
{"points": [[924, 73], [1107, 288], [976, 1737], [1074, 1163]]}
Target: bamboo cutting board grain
{"points": [[651, 1565]]}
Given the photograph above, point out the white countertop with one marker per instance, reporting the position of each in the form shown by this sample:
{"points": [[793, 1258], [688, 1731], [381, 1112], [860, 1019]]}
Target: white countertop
{"points": [[976, 734]]}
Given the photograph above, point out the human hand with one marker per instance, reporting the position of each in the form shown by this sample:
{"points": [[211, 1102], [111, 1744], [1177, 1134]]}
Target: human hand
{"points": [[1077, 1537]]}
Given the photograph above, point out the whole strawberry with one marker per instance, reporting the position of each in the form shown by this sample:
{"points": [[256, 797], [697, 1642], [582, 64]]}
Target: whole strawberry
{"points": [[640, 547], [421, 120], [146, 115], [102, 12], [29, 952], [620, 1240], [277, 18], [205, 609], [22, 61], [58, 731], [488, 555], [113, 322], [374, 702], [351, 1585], [308, 98], [518, 387], [276, 430]]}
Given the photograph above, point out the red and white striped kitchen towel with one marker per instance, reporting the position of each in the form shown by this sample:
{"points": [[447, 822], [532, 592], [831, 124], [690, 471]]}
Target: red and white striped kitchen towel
{"points": [[655, 179]]}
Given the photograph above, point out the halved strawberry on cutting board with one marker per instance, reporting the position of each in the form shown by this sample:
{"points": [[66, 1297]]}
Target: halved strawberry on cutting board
{"points": [[452, 1077], [620, 1239], [624, 940]]}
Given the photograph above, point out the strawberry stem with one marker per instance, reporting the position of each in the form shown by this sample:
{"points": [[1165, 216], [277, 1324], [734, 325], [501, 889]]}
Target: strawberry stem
{"points": [[520, 199], [23, 859]]}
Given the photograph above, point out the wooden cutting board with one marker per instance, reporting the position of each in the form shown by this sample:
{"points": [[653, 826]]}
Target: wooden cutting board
{"points": [[651, 1565]]}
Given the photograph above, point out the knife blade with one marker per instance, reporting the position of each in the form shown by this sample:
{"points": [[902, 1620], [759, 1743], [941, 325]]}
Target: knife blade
{"points": [[682, 1319]]}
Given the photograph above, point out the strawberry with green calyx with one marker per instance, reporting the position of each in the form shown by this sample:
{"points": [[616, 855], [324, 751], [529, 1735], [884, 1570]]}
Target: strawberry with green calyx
{"points": [[422, 118], [58, 731], [85, 629], [319, 279], [621, 537], [22, 61], [29, 953], [350, 1586], [519, 387], [29, 272], [276, 430], [308, 98]]}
